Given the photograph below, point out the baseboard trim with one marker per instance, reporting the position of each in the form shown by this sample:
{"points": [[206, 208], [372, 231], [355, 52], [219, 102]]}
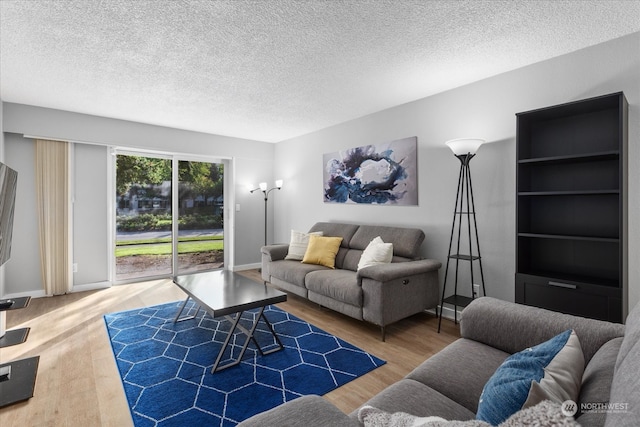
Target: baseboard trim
{"points": [[32, 294], [244, 267], [91, 286], [447, 313], [74, 289]]}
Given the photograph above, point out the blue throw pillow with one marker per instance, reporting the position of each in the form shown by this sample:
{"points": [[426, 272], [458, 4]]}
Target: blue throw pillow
{"points": [[551, 370]]}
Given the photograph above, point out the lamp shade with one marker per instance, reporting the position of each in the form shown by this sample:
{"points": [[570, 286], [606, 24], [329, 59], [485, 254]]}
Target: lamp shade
{"points": [[463, 146], [263, 186], [279, 183]]}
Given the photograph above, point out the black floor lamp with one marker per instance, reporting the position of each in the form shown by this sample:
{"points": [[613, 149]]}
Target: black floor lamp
{"points": [[464, 149], [263, 187]]}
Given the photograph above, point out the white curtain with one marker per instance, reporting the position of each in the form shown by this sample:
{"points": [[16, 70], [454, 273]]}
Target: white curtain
{"points": [[53, 191]]}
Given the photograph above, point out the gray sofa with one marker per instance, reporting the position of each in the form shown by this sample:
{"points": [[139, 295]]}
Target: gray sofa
{"points": [[449, 383], [380, 294]]}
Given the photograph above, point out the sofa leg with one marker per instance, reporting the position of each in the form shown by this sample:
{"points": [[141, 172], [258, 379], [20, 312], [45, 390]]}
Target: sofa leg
{"points": [[382, 333]]}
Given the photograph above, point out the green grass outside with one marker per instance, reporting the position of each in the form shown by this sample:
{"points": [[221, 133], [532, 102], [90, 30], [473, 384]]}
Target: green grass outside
{"points": [[165, 248], [167, 240]]}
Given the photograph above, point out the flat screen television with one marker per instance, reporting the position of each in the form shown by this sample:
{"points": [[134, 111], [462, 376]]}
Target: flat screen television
{"points": [[8, 184]]}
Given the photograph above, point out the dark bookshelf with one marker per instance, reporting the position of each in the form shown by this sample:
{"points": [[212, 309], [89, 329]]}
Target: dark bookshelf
{"points": [[570, 219]]}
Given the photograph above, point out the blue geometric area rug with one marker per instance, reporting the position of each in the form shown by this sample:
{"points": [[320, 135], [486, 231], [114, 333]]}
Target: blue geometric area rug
{"points": [[166, 367]]}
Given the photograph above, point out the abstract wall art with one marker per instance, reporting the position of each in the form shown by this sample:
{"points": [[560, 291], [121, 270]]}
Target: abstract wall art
{"points": [[383, 174]]}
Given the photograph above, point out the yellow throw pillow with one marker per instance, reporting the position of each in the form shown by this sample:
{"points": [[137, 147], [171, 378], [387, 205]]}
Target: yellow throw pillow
{"points": [[298, 244], [322, 250]]}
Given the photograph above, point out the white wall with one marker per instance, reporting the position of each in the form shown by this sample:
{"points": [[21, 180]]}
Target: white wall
{"points": [[2, 291], [90, 216], [90, 209], [252, 161], [23, 272], [485, 109]]}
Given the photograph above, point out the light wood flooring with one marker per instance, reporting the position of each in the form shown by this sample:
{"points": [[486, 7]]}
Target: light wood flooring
{"points": [[78, 382]]}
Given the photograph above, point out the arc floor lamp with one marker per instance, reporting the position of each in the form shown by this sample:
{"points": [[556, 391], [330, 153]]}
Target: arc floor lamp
{"points": [[464, 149]]}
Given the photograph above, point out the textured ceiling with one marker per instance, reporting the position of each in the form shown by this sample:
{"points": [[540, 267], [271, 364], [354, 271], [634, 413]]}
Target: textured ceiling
{"points": [[272, 70]]}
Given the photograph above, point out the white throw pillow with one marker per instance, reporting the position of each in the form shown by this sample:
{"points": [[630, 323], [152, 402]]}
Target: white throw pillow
{"points": [[298, 244], [377, 252]]}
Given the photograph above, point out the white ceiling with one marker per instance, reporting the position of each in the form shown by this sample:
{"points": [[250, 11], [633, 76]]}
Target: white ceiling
{"points": [[275, 69]]}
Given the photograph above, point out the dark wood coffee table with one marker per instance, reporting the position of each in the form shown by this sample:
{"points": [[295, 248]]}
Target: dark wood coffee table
{"points": [[224, 293]]}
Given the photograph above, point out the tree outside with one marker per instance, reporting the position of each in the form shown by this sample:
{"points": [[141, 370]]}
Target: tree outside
{"points": [[144, 216]]}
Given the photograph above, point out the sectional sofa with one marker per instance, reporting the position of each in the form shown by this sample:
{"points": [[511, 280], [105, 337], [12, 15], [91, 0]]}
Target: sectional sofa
{"points": [[450, 383], [381, 294]]}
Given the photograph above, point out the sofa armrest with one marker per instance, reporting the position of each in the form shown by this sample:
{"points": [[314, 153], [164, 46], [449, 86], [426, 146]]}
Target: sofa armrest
{"points": [[274, 252], [394, 291], [512, 327], [269, 254], [305, 411], [396, 270]]}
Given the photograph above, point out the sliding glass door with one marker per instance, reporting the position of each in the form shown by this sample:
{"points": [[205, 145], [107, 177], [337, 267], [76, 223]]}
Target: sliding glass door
{"points": [[161, 234], [200, 216]]}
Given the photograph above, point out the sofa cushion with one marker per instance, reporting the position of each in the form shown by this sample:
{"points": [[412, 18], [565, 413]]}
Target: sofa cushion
{"points": [[442, 371], [417, 399], [376, 253], [351, 259], [298, 244], [347, 309], [308, 411], [406, 241], [550, 370], [596, 382], [322, 250], [292, 272], [625, 391], [625, 387], [631, 335], [345, 231], [340, 285], [523, 326]]}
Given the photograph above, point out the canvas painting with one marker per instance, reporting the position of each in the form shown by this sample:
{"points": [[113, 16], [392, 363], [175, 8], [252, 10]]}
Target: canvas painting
{"points": [[383, 174]]}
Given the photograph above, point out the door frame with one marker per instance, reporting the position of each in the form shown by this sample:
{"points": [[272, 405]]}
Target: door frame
{"points": [[175, 157]]}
